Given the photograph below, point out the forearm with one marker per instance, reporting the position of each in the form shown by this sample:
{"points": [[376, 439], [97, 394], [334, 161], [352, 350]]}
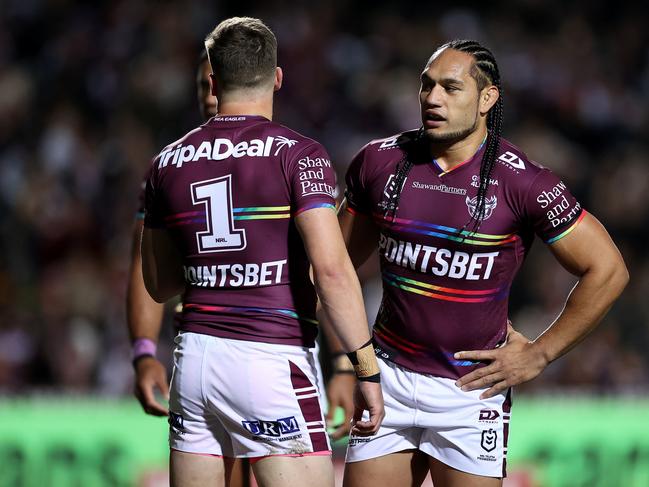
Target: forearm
{"points": [[587, 304], [342, 305], [143, 314]]}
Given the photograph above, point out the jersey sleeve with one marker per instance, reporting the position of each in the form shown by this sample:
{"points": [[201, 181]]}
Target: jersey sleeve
{"points": [[312, 180], [553, 211], [141, 200], [153, 216], [355, 193]]}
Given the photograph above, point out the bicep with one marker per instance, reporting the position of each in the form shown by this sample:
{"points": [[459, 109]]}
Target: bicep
{"points": [[586, 247], [321, 236], [360, 234]]}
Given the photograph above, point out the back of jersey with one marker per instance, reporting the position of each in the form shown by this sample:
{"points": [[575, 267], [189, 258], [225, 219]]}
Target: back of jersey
{"points": [[227, 194]]}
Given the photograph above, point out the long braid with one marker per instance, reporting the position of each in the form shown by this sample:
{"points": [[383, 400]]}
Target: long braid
{"points": [[485, 72]]}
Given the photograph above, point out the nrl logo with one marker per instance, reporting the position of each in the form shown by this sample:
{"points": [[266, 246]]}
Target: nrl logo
{"points": [[490, 205]]}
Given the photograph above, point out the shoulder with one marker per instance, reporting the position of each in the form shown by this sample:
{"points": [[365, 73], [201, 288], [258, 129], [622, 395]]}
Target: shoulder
{"points": [[382, 154], [513, 165], [294, 142]]}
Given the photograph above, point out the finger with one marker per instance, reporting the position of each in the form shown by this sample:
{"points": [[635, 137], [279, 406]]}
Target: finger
{"points": [[475, 355], [341, 431], [163, 384], [481, 383], [476, 374], [495, 390], [151, 406]]}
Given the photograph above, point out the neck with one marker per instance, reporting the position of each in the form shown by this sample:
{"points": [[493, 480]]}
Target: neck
{"points": [[451, 154], [250, 105]]}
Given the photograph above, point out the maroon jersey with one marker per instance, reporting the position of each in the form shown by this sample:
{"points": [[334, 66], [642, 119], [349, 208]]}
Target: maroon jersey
{"points": [[227, 193], [444, 289]]}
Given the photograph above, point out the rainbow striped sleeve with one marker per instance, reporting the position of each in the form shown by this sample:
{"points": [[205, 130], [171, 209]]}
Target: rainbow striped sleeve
{"points": [[568, 230]]}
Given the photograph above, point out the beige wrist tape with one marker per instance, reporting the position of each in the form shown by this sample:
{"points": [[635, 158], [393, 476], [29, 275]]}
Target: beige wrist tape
{"points": [[342, 364], [364, 361]]}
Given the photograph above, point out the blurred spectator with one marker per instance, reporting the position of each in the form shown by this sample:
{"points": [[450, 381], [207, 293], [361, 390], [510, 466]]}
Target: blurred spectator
{"points": [[90, 91]]}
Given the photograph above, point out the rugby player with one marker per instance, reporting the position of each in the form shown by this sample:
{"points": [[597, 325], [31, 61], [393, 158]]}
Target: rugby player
{"points": [[453, 209], [144, 315], [235, 212]]}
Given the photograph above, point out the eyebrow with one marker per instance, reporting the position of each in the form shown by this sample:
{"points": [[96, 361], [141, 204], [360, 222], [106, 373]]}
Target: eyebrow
{"points": [[443, 81]]}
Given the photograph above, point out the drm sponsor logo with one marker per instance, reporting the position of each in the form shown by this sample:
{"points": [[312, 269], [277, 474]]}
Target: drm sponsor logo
{"points": [[512, 161], [220, 149]]}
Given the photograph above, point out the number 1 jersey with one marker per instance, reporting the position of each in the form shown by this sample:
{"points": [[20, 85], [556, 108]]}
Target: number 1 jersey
{"points": [[227, 193]]}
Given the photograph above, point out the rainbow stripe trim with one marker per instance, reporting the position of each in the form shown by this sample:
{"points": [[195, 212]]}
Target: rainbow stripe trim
{"points": [[264, 213], [407, 284], [315, 205], [406, 346], [570, 229], [457, 234], [237, 310]]}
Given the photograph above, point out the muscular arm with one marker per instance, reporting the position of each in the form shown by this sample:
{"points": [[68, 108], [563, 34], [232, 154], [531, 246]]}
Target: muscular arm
{"points": [[589, 253], [144, 318], [334, 277], [362, 232], [161, 265], [342, 303], [143, 314]]}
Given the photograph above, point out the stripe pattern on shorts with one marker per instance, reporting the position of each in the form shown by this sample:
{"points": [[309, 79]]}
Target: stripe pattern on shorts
{"points": [[307, 398]]}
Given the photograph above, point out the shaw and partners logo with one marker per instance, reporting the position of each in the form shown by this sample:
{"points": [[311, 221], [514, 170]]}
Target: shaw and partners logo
{"points": [[219, 149], [274, 429]]}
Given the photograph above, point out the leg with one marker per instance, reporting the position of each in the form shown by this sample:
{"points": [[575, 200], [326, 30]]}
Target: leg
{"points": [[401, 469], [445, 476], [194, 470], [278, 471], [239, 474]]}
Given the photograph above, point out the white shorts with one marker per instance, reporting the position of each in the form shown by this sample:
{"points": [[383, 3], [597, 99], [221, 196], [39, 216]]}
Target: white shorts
{"points": [[237, 398], [433, 415]]}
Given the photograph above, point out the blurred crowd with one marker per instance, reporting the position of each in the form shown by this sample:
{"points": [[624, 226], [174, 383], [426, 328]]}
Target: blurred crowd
{"points": [[90, 91]]}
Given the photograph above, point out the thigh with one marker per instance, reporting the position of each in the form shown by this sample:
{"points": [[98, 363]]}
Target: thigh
{"points": [[196, 470], [402, 469], [193, 428], [461, 430], [398, 432], [280, 471], [445, 476], [266, 397]]}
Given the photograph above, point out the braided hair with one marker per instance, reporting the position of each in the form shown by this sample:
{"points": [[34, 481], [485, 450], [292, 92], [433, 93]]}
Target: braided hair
{"points": [[484, 71]]}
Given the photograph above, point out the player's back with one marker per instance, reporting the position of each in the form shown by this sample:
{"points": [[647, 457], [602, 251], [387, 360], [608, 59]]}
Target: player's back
{"points": [[227, 193]]}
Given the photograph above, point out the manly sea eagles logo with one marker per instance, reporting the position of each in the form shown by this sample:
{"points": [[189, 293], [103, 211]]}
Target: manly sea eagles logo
{"points": [[490, 205]]}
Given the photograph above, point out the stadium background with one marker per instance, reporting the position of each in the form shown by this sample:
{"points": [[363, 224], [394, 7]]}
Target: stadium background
{"points": [[89, 91]]}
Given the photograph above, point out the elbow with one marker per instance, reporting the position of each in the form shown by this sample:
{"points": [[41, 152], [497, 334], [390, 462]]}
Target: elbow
{"points": [[330, 276], [617, 278]]}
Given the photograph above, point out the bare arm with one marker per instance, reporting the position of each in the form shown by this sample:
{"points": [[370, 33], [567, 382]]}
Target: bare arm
{"points": [[143, 314], [144, 318], [342, 302], [587, 252], [162, 265], [362, 231]]}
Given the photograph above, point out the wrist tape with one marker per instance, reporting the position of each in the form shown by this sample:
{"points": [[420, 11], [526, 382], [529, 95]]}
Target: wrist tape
{"points": [[365, 364], [142, 347], [342, 365]]}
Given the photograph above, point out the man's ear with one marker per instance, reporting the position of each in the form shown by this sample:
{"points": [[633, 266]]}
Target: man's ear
{"points": [[279, 77], [213, 84], [488, 98]]}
